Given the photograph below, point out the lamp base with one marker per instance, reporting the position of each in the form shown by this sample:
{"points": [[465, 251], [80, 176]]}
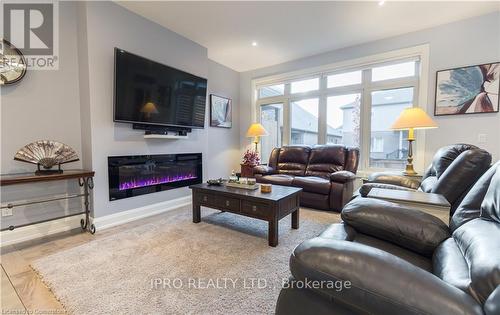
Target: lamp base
{"points": [[409, 164], [409, 170]]}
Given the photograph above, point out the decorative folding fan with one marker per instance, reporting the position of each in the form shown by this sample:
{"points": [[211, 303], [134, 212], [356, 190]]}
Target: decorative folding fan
{"points": [[46, 153]]}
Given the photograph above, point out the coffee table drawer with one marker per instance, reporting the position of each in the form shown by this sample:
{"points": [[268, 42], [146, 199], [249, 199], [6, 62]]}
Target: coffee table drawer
{"points": [[256, 209], [206, 199], [228, 203]]}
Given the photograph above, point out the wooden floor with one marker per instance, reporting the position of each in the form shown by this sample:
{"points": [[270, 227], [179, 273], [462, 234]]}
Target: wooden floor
{"points": [[22, 291]]}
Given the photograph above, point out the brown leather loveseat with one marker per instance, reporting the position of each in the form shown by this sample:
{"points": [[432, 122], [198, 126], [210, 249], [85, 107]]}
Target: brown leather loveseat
{"points": [[324, 172]]}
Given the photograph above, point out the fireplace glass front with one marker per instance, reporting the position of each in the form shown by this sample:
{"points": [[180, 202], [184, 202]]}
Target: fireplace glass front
{"points": [[136, 175]]}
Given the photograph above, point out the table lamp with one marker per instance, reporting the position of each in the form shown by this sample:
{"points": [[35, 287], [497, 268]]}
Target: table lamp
{"points": [[411, 119], [256, 131]]}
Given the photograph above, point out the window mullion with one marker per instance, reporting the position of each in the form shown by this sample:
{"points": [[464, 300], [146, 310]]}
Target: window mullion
{"points": [[322, 126], [287, 117], [365, 120]]}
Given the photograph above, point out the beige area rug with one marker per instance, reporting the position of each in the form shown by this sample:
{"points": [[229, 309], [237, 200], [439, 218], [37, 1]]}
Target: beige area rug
{"points": [[222, 265]]}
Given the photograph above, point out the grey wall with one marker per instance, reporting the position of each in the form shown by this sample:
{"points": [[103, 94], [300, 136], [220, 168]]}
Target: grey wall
{"points": [[44, 105], [463, 43], [74, 105], [108, 25]]}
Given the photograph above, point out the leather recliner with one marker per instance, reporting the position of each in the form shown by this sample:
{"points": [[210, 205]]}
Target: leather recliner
{"points": [[326, 173], [454, 169], [403, 261]]}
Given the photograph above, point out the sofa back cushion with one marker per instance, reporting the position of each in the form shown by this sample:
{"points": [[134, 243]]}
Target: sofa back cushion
{"points": [[470, 207], [326, 159], [444, 157], [292, 160], [490, 207]]}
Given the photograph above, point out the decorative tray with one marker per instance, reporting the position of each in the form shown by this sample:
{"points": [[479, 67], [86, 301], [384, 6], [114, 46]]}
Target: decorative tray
{"points": [[243, 186]]}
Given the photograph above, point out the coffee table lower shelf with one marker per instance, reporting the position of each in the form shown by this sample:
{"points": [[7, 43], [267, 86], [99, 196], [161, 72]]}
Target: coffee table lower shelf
{"points": [[270, 208]]}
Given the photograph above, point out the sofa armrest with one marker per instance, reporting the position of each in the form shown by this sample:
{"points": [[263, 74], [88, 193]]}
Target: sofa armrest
{"points": [[263, 170], [365, 189], [407, 227], [342, 177], [392, 179], [372, 281]]}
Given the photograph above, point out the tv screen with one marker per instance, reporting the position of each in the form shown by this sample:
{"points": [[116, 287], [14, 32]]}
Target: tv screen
{"points": [[148, 92]]}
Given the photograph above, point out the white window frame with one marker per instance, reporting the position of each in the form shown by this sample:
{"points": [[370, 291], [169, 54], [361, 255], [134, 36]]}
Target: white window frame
{"points": [[419, 82]]}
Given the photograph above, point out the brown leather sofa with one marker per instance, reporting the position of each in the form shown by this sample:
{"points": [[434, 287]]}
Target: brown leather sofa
{"points": [[324, 172]]}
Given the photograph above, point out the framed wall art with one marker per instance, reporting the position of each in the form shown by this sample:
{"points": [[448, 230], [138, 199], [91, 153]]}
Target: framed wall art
{"points": [[220, 111], [468, 90]]}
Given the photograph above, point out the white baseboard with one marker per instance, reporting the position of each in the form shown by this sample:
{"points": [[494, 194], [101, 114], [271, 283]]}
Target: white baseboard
{"points": [[115, 219], [57, 226], [30, 232]]}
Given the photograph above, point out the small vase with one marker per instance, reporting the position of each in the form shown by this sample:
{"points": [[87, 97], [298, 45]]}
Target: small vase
{"points": [[247, 170]]}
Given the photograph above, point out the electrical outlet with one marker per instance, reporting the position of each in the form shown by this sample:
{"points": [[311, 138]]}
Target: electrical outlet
{"points": [[7, 212], [482, 138]]}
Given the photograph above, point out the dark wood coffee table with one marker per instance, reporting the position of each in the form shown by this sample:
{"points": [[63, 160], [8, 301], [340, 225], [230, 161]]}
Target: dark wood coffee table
{"points": [[270, 207]]}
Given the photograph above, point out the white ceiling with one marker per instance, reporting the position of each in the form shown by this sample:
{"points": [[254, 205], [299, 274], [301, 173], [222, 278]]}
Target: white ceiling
{"points": [[290, 30]]}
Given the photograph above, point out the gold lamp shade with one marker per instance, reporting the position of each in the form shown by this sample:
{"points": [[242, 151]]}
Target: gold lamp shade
{"points": [[256, 130], [415, 118], [411, 119]]}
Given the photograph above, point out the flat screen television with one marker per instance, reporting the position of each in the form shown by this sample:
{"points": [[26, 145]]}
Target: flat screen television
{"points": [[150, 93]]}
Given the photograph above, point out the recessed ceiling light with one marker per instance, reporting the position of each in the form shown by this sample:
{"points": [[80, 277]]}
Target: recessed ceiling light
{"points": [[254, 44], [381, 3]]}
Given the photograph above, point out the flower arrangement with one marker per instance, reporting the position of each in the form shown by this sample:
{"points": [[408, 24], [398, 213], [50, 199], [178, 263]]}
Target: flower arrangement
{"points": [[251, 158]]}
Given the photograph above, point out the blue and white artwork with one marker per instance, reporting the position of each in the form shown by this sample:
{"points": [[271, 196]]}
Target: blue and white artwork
{"points": [[468, 90]]}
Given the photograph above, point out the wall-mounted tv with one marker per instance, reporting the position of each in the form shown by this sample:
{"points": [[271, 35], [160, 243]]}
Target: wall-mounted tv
{"points": [[148, 92]]}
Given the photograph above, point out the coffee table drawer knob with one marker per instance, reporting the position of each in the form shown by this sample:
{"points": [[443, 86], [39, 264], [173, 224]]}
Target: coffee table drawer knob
{"points": [[227, 203], [254, 208]]}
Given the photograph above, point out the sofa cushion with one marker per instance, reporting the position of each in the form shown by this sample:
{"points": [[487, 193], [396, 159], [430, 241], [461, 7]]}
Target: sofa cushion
{"points": [[477, 240], [416, 230], [313, 184], [326, 159], [449, 264], [292, 160], [490, 207], [470, 207], [278, 179], [444, 157]]}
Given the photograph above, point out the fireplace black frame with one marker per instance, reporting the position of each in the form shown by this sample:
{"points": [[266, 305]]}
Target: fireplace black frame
{"points": [[192, 161]]}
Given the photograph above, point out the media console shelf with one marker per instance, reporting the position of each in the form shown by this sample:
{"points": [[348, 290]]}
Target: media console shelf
{"points": [[85, 180], [171, 137]]}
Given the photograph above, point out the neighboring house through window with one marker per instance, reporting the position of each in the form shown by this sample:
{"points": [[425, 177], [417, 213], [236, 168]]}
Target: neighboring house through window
{"points": [[352, 105]]}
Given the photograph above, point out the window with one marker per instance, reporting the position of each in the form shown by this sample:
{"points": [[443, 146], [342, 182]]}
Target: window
{"points": [[342, 119], [271, 117], [355, 107], [377, 145], [399, 70], [305, 85], [273, 90], [304, 121], [344, 79], [388, 148]]}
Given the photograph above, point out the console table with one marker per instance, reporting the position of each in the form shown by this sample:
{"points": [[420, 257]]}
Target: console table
{"points": [[85, 180]]}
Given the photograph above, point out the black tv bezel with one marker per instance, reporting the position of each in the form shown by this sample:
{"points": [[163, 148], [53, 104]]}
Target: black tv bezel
{"points": [[116, 49]]}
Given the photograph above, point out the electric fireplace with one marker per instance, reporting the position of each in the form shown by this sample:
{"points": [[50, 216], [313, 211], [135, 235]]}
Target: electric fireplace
{"points": [[135, 175]]}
